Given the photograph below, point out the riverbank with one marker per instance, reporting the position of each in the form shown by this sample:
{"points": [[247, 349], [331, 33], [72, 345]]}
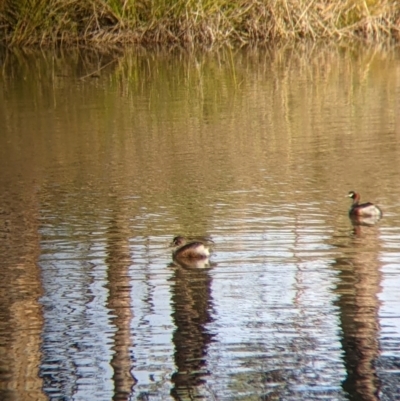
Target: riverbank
{"points": [[189, 22]]}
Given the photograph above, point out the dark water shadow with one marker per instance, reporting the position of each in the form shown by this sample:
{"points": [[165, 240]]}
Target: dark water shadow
{"points": [[192, 307], [21, 317], [359, 282], [118, 261]]}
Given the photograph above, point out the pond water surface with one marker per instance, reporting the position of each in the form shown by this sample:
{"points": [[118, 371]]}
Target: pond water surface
{"points": [[105, 157]]}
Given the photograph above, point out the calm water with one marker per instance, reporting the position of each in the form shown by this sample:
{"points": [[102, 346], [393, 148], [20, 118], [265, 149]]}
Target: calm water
{"points": [[104, 158]]}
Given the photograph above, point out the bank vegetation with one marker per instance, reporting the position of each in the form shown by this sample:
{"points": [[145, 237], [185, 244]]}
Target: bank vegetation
{"points": [[194, 22]]}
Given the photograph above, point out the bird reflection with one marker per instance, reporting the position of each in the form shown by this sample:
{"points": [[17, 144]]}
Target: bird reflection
{"points": [[192, 304], [359, 283], [192, 263], [364, 221]]}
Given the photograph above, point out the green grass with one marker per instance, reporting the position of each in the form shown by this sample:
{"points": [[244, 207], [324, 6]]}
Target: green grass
{"points": [[194, 22]]}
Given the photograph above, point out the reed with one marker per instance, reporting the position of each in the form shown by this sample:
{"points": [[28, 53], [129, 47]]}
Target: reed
{"points": [[194, 22]]}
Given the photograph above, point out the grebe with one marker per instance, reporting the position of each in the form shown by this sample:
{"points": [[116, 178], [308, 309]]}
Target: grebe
{"points": [[364, 209], [189, 249]]}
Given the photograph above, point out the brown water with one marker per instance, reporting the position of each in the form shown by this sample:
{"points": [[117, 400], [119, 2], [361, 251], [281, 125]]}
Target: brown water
{"points": [[253, 149]]}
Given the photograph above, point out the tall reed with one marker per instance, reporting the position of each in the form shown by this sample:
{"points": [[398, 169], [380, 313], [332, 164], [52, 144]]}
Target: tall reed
{"points": [[193, 22]]}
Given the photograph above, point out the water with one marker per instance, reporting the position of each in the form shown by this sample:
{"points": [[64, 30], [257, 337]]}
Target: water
{"points": [[104, 158]]}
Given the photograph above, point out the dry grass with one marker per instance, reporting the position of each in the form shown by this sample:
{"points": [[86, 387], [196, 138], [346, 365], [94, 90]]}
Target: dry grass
{"points": [[194, 22]]}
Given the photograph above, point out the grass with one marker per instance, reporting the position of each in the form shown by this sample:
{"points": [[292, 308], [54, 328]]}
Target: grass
{"points": [[194, 22]]}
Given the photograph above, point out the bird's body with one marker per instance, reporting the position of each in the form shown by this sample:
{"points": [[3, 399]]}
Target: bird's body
{"points": [[184, 249], [358, 209]]}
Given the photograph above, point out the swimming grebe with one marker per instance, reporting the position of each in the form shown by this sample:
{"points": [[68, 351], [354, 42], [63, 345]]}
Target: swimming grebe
{"points": [[189, 250], [364, 209]]}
